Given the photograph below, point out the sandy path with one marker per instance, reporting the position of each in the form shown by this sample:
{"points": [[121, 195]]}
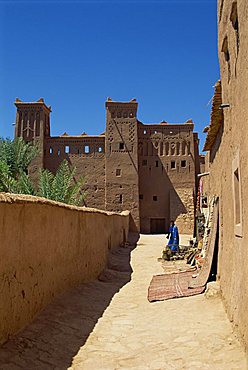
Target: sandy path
{"points": [[111, 325]]}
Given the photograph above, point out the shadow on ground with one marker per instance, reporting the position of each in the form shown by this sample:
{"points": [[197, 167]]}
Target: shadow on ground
{"points": [[55, 336]]}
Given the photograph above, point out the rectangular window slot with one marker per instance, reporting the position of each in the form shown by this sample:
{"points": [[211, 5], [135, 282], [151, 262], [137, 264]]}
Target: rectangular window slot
{"points": [[141, 196], [173, 164], [225, 50], [121, 146], [156, 163], [237, 197], [51, 150], [86, 149], [58, 152], [67, 149], [100, 149], [183, 164], [118, 172], [121, 198], [235, 23], [155, 198]]}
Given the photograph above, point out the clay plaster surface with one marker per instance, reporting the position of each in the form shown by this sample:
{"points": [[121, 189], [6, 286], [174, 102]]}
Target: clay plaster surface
{"points": [[88, 329], [47, 248]]}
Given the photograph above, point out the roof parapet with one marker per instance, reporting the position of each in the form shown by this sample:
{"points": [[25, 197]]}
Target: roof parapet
{"points": [[216, 118], [19, 102]]}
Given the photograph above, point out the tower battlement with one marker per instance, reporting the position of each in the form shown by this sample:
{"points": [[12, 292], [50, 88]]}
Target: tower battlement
{"points": [[149, 169]]}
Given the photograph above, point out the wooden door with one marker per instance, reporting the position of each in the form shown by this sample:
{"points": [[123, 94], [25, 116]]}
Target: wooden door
{"points": [[157, 226]]}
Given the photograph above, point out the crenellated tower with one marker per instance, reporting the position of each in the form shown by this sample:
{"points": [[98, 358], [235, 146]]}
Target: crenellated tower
{"points": [[121, 145], [33, 124]]}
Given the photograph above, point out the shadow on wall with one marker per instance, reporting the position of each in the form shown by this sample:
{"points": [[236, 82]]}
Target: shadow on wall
{"points": [[215, 148], [56, 335], [159, 200]]}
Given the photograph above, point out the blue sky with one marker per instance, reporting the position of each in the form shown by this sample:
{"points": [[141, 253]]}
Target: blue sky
{"points": [[75, 54]]}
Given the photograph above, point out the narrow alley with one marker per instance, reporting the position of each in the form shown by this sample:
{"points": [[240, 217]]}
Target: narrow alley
{"points": [[110, 325]]}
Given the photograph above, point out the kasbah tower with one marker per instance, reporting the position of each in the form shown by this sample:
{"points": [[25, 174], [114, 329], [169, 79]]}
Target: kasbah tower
{"points": [[149, 169]]}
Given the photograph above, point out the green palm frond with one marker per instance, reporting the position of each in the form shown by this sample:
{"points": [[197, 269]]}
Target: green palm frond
{"points": [[76, 195], [25, 185], [7, 182], [17, 154], [45, 184], [62, 187]]}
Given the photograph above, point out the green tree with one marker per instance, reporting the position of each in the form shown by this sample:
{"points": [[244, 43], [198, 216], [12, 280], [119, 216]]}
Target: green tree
{"points": [[62, 186], [15, 157]]}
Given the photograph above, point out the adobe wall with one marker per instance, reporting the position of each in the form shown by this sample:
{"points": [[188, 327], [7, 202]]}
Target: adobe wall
{"points": [[167, 174], [116, 177], [231, 152], [122, 180], [90, 164], [47, 248]]}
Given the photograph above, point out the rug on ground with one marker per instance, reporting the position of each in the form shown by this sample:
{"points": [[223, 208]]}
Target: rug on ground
{"points": [[186, 283]]}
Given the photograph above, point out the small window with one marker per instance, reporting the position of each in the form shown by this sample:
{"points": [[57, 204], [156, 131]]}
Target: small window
{"points": [[145, 132], [144, 162], [156, 163], [51, 150], [86, 149], [121, 146], [235, 23], [225, 50], [237, 205], [100, 149], [67, 149], [141, 196], [58, 152], [118, 172], [120, 199], [173, 164], [221, 10], [155, 198], [155, 132], [183, 164]]}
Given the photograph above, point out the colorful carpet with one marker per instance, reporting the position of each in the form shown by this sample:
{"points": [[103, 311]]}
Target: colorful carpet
{"points": [[169, 286], [186, 283]]}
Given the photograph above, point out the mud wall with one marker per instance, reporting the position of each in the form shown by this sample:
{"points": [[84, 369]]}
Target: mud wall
{"points": [[228, 165], [47, 248]]}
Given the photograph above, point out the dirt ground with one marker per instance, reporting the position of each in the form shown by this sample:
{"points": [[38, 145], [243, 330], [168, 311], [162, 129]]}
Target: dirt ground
{"points": [[110, 325]]}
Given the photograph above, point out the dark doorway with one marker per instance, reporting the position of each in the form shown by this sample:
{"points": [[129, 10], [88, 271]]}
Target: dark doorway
{"points": [[157, 225], [214, 266]]}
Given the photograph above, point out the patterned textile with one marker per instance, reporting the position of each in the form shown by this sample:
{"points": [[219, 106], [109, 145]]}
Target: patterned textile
{"points": [[173, 285]]}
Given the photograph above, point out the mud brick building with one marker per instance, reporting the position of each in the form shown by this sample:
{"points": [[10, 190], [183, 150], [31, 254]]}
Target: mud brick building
{"points": [[226, 159], [149, 169]]}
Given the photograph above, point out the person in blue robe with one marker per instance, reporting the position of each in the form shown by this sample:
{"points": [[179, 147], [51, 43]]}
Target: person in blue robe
{"points": [[173, 236]]}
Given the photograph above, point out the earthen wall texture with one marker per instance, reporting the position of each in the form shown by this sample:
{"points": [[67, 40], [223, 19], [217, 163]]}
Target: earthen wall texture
{"points": [[167, 175], [140, 167], [87, 154], [122, 178], [229, 156], [47, 248]]}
